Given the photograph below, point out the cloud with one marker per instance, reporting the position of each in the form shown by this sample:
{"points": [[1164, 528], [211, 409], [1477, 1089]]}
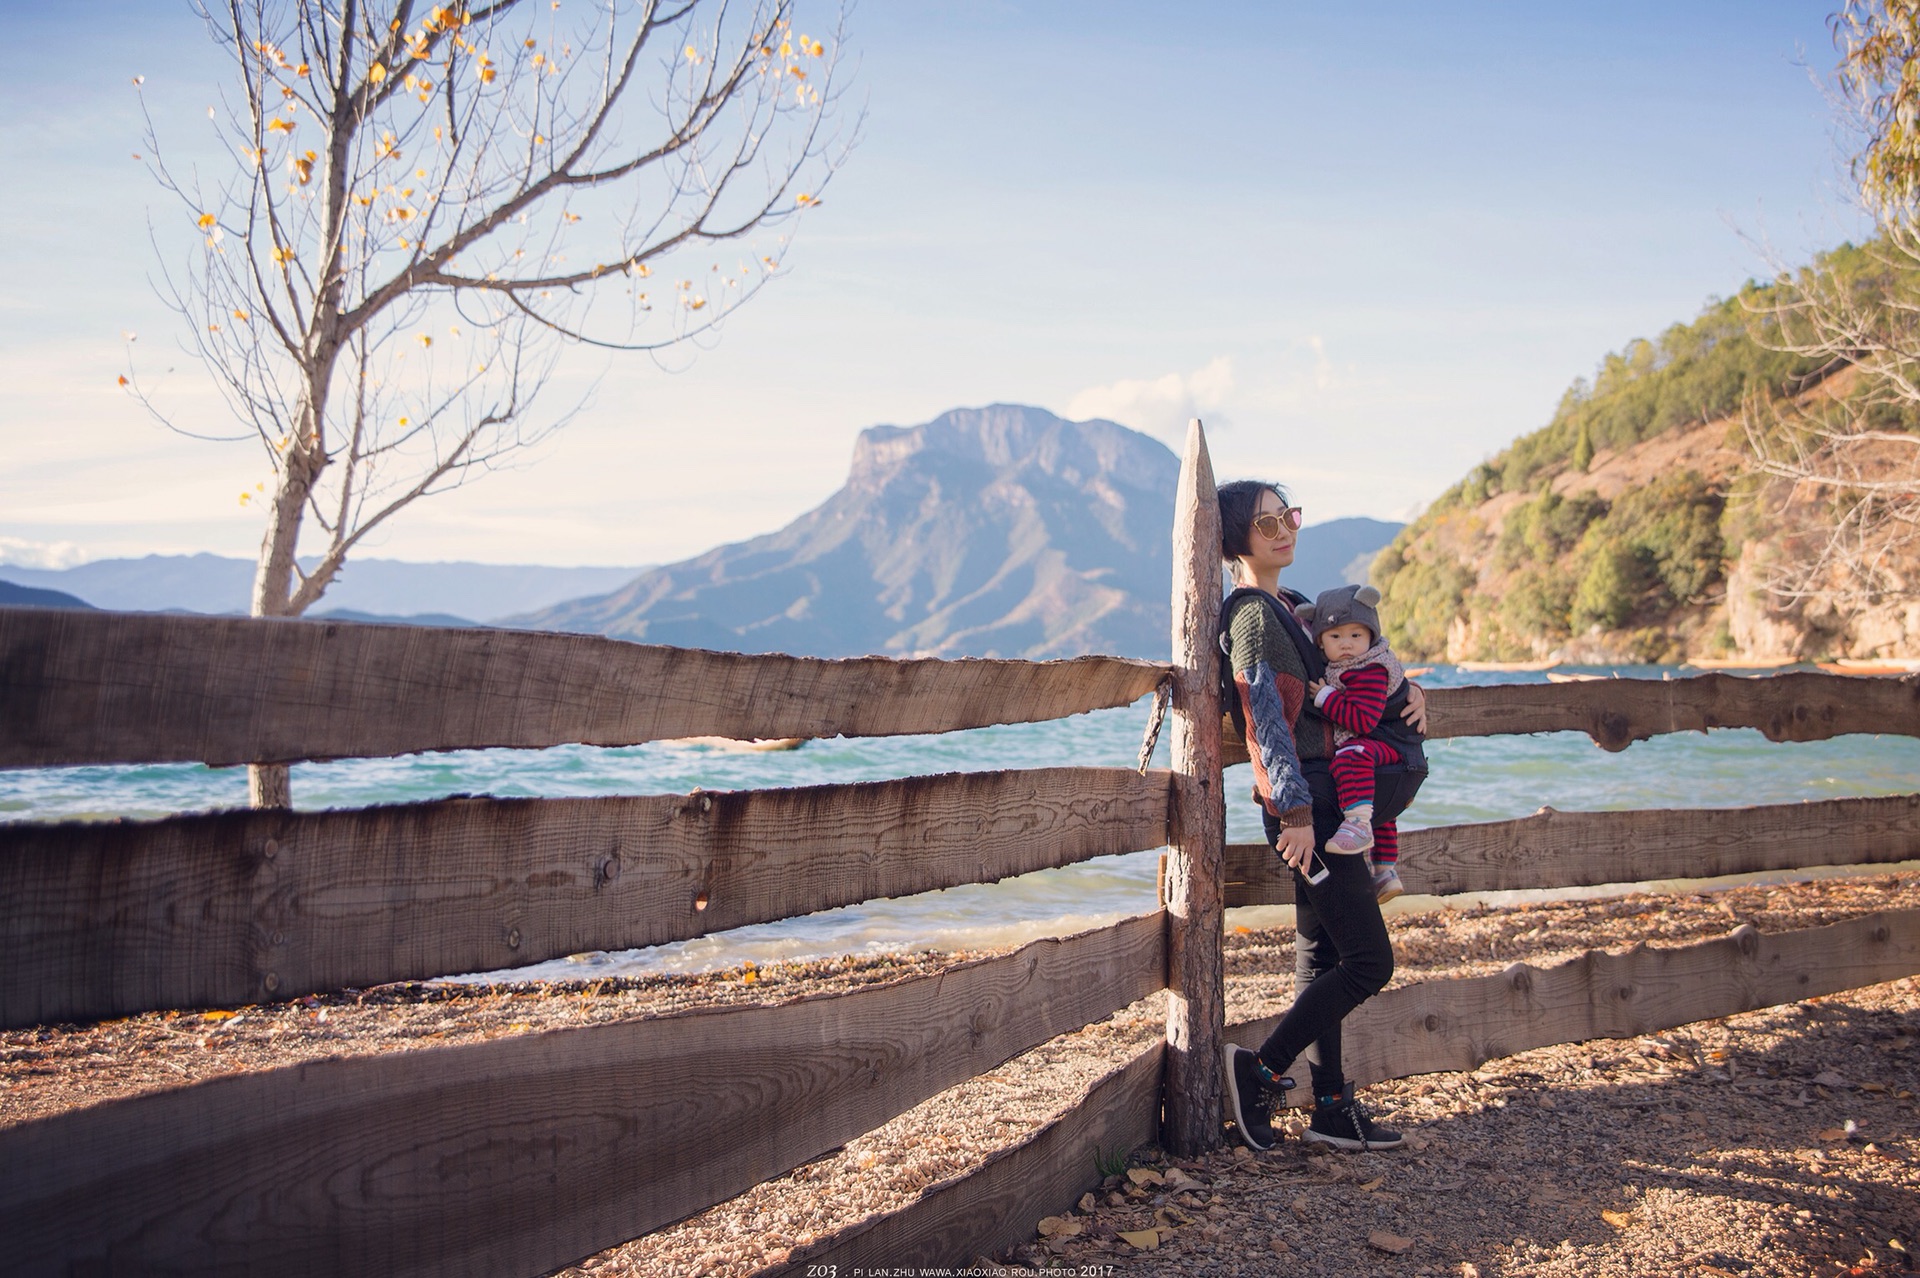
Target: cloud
{"points": [[21, 553], [1322, 366], [1161, 405]]}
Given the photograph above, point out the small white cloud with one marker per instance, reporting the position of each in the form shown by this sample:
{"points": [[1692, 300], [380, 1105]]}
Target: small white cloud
{"points": [[22, 553], [1322, 366], [1160, 405]]}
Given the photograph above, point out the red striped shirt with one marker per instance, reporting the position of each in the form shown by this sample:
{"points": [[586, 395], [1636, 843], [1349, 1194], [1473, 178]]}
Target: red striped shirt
{"points": [[1359, 701]]}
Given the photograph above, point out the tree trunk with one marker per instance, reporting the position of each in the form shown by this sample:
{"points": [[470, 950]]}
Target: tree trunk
{"points": [[270, 785]]}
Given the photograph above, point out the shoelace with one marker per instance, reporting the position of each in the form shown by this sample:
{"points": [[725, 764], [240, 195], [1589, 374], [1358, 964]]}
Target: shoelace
{"points": [[1357, 1119]]}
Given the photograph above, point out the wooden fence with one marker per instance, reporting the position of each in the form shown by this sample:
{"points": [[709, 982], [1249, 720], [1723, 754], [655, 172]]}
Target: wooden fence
{"points": [[517, 1155]]}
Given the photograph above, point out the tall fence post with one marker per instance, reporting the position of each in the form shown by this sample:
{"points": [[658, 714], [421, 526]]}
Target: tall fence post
{"points": [[1196, 1007]]}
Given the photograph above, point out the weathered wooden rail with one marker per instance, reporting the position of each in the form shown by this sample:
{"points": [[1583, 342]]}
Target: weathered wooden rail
{"points": [[518, 1155], [1584, 849], [234, 907], [99, 687]]}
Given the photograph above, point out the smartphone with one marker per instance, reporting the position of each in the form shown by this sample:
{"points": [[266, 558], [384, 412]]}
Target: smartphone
{"points": [[1317, 876]]}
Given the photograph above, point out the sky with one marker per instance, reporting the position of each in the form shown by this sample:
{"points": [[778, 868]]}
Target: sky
{"points": [[1368, 247]]}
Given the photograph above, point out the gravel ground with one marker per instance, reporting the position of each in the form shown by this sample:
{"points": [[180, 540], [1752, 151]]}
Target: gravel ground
{"points": [[1780, 1142], [1722, 1147]]}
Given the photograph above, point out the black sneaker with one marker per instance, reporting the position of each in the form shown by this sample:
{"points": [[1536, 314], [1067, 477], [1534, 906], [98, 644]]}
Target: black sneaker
{"points": [[1344, 1124], [1249, 1099]]}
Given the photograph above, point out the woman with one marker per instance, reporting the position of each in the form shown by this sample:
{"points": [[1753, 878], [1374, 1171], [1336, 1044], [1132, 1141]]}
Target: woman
{"points": [[1342, 954]]}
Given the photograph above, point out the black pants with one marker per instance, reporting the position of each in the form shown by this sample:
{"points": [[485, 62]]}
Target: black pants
{"points": [[1342, 956]]}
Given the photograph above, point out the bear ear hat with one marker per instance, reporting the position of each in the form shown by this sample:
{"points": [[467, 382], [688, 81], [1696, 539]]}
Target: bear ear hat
{"points": [[1367, 595], [1304, 612]]}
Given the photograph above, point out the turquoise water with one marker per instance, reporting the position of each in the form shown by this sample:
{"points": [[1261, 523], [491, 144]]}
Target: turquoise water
{"points": [[1474, 779]]}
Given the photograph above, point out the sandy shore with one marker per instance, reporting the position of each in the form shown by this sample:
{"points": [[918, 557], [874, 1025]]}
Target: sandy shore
{"points": [[1710, 1148]]}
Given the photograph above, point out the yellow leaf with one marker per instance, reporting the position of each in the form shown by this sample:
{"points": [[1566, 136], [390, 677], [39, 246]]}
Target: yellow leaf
{"points": [[123, 379], [816, 48], [571, 217], [486, 75], [1831, 1133], [206, 220], [217, 1016], [303, 170], [1143, 1239], [693, 55], [280, 126], [1145, 1176], [425, 340], [803, 199], [1618, 1219], [403, 421], [300, 70], [695, 303], [241, 315]]}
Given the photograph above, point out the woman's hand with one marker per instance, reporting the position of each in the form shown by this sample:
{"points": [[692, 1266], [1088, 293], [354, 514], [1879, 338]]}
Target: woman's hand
{"points": [[1416, 712], [1295, 845]]}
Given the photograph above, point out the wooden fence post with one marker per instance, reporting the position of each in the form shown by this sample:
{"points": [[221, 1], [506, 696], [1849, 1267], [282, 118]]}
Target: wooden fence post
{"points": [[1196, 1004]]}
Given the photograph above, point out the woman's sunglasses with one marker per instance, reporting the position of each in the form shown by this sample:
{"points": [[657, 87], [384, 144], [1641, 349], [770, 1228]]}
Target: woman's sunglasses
{"points": [[1268, 526]]}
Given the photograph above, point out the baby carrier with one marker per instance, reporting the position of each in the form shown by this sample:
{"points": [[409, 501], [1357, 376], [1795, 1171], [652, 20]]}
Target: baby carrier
{"points": [[1395, 784]]}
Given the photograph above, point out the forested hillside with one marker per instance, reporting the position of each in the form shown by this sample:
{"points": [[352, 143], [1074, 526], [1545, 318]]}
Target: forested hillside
{"points": [[1630, 527]]}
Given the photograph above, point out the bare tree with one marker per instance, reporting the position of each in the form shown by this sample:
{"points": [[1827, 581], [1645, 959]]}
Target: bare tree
{"points": [[1845, 494], [1839, 460], [425, 205]]}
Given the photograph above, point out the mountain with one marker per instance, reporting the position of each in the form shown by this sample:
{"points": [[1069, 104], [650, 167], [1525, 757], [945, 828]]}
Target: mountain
{"points": [[1634, 526], [12, 596], [1337, 552], [384, 587], [1000, 531]]}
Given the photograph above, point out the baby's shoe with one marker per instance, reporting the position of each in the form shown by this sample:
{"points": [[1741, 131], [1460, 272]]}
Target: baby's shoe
{"points": [[1386, 883], [1354, 835]]}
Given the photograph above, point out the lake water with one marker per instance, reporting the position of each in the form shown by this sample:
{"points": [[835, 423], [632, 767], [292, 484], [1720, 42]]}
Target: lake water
{"points": [[1473, 779]]}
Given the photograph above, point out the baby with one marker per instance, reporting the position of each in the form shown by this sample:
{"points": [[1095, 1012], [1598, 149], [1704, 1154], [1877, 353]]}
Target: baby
{"points": [[1361, 696]]}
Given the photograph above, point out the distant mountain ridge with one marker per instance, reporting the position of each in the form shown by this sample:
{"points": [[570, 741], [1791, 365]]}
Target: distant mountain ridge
{"points": [[388, 588], [998, 531], [14, 596]]}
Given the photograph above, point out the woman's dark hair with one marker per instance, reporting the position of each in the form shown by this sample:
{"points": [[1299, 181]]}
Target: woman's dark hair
{"points": [[1239, 501]]}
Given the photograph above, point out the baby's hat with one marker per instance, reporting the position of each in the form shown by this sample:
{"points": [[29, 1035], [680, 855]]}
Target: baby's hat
{"points": [[1341, 606]]}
